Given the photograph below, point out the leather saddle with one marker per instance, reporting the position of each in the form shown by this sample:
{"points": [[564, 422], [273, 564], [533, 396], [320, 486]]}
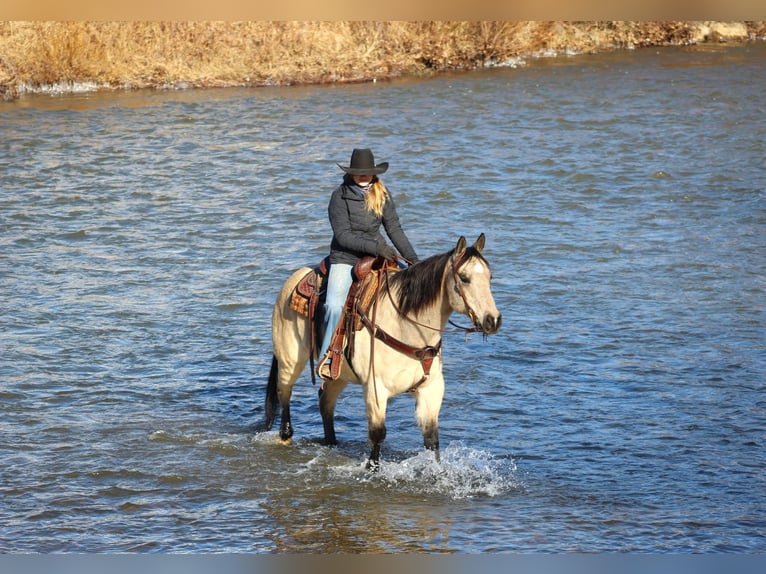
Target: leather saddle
{"points": [[308, 299]]}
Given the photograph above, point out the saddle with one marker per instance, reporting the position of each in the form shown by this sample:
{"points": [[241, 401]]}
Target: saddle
{"points": [[308, 298]]}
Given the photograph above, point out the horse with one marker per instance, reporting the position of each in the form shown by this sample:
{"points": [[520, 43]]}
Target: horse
{"points": [[397, 352]]}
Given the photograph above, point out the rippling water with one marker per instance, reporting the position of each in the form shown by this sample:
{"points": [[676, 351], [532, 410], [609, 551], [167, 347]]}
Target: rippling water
{"points": [[144, 236]]}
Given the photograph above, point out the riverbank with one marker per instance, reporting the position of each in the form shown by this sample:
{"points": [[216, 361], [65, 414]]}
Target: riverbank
{"points": [[81, 56]]}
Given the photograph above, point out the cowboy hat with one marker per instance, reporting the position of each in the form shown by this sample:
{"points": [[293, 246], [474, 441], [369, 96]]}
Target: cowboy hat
{"points": [[363, 163]]}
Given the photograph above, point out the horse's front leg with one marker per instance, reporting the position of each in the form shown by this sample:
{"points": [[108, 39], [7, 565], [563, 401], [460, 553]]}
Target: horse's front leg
{"points": [[377, 435], [428, 401], [431, 438], [376, 403]]}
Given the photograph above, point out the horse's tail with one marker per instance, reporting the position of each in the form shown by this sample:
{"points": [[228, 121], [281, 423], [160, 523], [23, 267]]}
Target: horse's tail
{"points": [[272, 399]]}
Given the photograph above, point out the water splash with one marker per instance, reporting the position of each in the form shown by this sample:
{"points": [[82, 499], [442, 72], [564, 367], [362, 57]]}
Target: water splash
{"points": [[461, 473]]}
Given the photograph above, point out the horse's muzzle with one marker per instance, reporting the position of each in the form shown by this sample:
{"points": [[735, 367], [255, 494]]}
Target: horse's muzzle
{"points": [[491, 324]]}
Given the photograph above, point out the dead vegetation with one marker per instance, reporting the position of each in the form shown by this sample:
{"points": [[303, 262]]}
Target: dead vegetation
{"points": [[90, 55]]}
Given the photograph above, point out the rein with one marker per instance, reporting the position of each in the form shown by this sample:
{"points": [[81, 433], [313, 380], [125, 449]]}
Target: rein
{"points": [[458, 289], [425, 354]]}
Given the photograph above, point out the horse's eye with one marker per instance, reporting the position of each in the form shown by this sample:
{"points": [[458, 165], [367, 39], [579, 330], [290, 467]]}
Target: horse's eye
{"points": [[464, 278]]}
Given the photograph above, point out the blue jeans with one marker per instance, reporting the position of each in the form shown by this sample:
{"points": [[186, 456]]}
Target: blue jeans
{"points": [[338, 283]]}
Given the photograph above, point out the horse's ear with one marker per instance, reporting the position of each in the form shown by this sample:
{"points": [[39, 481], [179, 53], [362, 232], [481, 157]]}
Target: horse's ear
{"points": [[460, 246], [479, 245]]}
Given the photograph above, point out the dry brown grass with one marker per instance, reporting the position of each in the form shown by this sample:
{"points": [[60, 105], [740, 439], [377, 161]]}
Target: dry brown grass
{"points": [[196, 54]]}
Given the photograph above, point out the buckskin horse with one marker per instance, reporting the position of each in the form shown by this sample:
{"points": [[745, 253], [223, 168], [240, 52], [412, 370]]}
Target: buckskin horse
{"points": [[398, 347]]}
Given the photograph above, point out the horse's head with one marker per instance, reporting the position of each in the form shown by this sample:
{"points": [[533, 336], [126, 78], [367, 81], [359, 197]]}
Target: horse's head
{"points": [[469, 286]]}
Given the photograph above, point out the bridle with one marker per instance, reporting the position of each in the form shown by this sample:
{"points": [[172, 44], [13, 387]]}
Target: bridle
{"points": [[425, 354], [455, 264], [458, 287]]}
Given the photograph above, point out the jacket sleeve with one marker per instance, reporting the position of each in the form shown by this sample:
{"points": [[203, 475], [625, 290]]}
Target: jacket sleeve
{"points": [[346, 238], [394, 230]]}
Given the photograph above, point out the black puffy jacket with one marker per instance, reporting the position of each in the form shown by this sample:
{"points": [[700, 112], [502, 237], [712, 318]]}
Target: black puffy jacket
{"points": [[356, 230]]}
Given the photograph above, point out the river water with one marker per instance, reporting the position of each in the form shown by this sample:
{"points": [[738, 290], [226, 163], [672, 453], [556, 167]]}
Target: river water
{"points": [[144, 236]]}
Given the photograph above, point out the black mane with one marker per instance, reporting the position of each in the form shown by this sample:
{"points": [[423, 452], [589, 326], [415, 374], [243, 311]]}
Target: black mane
{"points": [[419, 285]]}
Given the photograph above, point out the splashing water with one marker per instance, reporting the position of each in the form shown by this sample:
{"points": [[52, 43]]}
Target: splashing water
{"points": [[461, 473]]}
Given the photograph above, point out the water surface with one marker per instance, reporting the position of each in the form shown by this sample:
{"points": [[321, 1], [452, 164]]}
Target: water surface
{"points": [[144, 236]]}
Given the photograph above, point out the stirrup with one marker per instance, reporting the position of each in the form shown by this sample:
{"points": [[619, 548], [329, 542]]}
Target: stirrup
{"points": [[323, 368]]}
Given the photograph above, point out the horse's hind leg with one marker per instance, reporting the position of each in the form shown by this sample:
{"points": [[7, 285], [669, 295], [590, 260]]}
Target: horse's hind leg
{"points": [[272, 398], [286, 427], [288, 375], [328, 397], [291, 352], [285, 371], [278, 393]]}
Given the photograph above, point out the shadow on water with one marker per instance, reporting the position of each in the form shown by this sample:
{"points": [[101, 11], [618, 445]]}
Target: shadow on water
{"points": [[324, 500]]}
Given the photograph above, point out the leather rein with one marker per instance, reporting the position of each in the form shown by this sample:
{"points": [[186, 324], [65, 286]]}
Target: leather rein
{"points": [[425, 354]]}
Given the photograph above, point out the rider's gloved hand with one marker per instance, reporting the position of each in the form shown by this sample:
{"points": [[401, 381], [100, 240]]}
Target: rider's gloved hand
{"points": [[386, 251]]}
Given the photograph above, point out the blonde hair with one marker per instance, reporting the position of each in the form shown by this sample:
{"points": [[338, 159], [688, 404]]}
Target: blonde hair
{"points": [[376, 198]]}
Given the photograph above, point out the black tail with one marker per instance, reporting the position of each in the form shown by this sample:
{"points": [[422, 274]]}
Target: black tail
{"points": [[272, 399]]}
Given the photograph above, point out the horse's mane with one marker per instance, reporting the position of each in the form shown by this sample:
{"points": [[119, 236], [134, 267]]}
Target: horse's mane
{"points": [[420, 284]]}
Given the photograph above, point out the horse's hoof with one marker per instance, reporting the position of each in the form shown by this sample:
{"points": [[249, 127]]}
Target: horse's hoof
{"points": [[286, 433], [373, 465]]}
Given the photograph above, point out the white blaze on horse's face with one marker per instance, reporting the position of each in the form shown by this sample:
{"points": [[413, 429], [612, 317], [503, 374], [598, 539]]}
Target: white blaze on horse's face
{"points": [[472, 294], [479, 268]]}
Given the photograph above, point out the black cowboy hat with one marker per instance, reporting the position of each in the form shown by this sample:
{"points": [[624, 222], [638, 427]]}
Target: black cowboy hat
{"points": [[363, 163]]}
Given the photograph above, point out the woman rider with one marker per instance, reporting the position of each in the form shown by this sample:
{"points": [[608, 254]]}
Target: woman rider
{"points": [[358, 207]]}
